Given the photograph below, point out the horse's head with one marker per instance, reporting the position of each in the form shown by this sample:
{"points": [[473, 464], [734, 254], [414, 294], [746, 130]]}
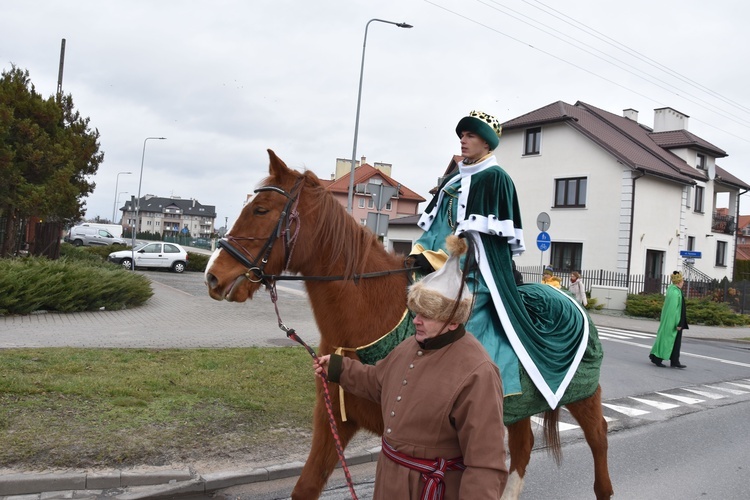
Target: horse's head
{"points": [[259, 241]]}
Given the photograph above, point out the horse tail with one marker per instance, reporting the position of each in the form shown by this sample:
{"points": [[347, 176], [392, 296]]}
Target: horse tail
{"points": [[552, 435]]}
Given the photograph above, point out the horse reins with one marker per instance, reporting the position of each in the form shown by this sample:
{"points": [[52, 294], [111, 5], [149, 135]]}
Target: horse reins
{"points": [[255, 273], [292, 334]]}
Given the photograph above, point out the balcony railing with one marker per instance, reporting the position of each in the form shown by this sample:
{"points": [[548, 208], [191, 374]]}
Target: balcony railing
{"points": [[723, 224]]}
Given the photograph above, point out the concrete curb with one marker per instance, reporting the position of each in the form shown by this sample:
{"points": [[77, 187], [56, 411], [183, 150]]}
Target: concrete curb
{"points": [[133, 485]]}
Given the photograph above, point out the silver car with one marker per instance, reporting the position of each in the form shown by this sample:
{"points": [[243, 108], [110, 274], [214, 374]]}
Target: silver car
{"points": [[157, 254], [87, 235]]}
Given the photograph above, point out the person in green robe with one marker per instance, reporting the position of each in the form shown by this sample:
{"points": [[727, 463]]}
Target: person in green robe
{"points": [[540, 327], [673, 322]]}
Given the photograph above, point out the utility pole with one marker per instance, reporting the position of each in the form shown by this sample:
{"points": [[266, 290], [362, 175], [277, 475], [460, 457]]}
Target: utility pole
{"points": [[60, 71]]}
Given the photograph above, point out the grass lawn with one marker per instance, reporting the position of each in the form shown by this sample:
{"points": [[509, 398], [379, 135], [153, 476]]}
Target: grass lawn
{"points": [[76, 408]]}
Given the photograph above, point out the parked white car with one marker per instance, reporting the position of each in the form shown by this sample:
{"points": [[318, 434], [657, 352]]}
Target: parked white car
{"points": [[153, 254]]}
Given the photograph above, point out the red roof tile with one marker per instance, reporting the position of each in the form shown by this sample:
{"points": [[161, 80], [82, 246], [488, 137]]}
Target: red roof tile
{"points": [[364, 173]]}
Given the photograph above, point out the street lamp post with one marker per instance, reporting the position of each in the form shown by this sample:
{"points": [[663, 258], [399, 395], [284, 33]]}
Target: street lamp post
{"points": [[349, 204], [119, 196], [138, 202], [114, 207]]}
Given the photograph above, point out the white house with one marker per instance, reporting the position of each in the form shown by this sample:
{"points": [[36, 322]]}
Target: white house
{"points": [[621, 196]]}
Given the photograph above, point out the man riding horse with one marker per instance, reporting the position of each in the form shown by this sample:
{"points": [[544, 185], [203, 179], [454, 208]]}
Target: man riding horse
{"points": [[513, 323]]}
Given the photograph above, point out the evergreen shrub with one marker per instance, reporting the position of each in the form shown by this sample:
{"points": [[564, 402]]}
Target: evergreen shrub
{"points": [[70, 284]]}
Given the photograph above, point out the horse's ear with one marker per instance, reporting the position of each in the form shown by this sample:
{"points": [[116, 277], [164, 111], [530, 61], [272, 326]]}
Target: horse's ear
{"points": [[277, 168]]}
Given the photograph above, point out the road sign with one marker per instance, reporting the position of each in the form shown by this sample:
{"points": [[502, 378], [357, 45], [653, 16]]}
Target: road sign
{"points": [[382, 195], [377, 223], [690, 254], [542, 221], [543, 241]]}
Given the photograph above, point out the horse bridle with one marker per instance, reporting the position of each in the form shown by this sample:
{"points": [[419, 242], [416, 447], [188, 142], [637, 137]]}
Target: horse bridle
{"points": [[255, 269], [255, 272]]}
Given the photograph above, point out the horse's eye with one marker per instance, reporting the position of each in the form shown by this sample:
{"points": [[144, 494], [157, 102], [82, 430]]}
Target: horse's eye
{"points": [[260, 211]]}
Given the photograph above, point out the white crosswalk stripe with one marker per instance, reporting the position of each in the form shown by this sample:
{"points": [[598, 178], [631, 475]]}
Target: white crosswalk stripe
{"points": [[656, 404], [666, 403], [630, 412], [618, 333], [682, 399], [727, 389], [705, 394], [561, 426]]}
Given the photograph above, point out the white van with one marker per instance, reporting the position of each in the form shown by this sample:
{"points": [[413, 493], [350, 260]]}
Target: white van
{"points": [[88, 235]]}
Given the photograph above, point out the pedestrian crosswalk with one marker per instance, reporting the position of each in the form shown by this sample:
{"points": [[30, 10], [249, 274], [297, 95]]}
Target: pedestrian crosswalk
{"points": [[620, 334], [660, 405]]}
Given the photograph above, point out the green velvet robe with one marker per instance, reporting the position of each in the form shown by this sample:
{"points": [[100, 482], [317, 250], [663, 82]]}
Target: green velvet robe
{"points": [[541, 327], [671, 314]]}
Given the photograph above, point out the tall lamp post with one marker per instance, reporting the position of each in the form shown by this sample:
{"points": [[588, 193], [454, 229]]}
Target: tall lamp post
{"points": [[119, 196], [114, 207], [349, 204], [138, 201]]}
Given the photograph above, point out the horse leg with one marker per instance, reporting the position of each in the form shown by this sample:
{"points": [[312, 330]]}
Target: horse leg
{"points": [[520, 443], [588, 413], [323, 456]]}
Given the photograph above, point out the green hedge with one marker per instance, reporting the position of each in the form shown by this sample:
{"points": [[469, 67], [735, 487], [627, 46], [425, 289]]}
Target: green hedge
{"points": [[70, 284], [699, 311]]}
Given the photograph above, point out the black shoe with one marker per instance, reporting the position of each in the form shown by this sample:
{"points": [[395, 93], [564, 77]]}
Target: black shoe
{"points": [[656, 361], [677, 365]]}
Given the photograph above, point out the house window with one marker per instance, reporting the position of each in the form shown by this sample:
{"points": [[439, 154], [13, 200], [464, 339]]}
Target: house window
{"points": [[700, 161], [363, 222], [566, 257], [721, 253], [570, 192], [691, 243], [533, 141], [698, 207], [388, 206], [361, 202], [370, 203]]}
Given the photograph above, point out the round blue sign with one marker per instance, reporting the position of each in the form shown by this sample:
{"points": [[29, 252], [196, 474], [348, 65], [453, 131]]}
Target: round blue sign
{"points": [[543, 241]]}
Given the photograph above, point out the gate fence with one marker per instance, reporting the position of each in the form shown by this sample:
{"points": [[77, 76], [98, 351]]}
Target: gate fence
{"points": [[697, 285]]}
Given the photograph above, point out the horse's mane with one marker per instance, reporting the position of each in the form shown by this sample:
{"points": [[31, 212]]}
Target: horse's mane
{"points": [[345, 240]]}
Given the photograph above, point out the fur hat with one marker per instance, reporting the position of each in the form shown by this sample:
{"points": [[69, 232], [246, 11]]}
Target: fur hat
{"points": [[676, 277], [435, 295], [485, 126]]}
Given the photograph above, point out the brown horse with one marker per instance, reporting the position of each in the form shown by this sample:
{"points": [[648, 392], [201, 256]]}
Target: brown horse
{"points": [[294, 224]]}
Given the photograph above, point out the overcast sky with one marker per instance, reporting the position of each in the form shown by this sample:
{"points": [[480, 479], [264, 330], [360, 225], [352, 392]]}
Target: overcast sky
{"points": [[225, 80]]}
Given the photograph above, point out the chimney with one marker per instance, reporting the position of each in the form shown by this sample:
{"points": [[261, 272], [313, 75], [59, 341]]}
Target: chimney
{"points": [[668, 120], [630, 114], [363, 161]]}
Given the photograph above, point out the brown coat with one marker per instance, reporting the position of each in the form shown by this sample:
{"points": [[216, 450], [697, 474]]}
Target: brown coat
{"points": [[441, 401]]}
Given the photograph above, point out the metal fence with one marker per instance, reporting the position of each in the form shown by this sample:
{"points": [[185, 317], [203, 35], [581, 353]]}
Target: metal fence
{"points": [[736, 294], [697, 285]]}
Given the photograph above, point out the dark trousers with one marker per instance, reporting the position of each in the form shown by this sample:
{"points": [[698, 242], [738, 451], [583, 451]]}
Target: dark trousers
{"points": [[675, 357]]}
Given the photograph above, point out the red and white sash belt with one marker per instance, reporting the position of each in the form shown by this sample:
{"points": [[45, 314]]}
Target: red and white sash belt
{"points": [[433, 471]]}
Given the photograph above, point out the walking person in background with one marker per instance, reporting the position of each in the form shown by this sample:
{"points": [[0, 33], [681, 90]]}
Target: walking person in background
{"points": [[549, 278], [673, 322], [577, 289]]}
